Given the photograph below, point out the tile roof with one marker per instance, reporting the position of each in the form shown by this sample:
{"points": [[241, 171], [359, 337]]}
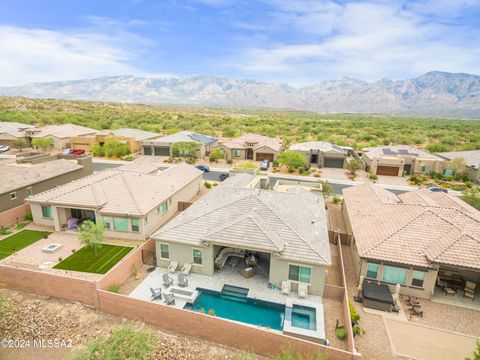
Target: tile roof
{"points": [[137, 134], [472, 158], [143, 167], [258, 140], [121, 191], [317, 145], [184, 136], [291, 225], [18, 176], [398, 150], [14, 129], [418, 228], [62, 131]]}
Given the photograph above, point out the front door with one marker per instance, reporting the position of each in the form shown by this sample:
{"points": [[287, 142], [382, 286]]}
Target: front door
{"points": [[249, 155], [313, 158]]}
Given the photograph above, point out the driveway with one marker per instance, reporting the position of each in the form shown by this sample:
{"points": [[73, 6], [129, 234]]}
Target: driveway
{"points": [[341, 174], [427, 343], [392, 180]]}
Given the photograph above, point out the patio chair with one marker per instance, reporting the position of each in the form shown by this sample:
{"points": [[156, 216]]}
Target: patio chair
{"points": [[302, 290], [156, 294], [186, 268], [167, 280], [286, 286], [441, 284], [182, 280], [173, 267], [417, 311], [169, 299], [469, 290]]}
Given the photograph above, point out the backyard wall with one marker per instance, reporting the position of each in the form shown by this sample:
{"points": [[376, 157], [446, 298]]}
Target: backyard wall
{"points": [[14, 215]]}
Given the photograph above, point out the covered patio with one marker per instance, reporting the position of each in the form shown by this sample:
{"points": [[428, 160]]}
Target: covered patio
{"points": [[457, 287]]}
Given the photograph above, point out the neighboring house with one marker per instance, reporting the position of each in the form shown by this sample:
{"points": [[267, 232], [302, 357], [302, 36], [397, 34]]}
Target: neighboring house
{"points": [[251, 147], [131, 137], [472, 160], [133, 201], [60, 134], [287, 232], [10, 131], [322, 154], [23, 180], [162, 146], [399, 159], [411, 238]]}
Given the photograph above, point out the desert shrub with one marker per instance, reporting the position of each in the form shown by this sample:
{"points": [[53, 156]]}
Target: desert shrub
{"points": [[353, 313], [29, 216], [229, 161], [292, 159], [340, 333], [246, 165], [116, 149], [207, 184], [97, 150], [129, 157], [215, 155], [42, 143], [372, 177], [115, 288]]}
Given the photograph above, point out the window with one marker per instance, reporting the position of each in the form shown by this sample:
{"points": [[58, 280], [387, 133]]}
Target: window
{"points": [[425, 169], [120, 224], [164, 253], [107, 222], [236, 153], [13, 196], [197, 256], [135, 226], [418, 278], [372, 271], [299, 273], [164, 207], [47, 212], [29, 191], [448, 172], [394, 275]]}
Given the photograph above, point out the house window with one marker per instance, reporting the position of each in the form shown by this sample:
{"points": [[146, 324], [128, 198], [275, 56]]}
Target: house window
{"points": [[197, 256], [164, 253], [448, 172], [418, 278], [299, 273], [164, 207], [135, 225], [394, 275], [107, 222], [425, 169], [120, 224], [372, 271], [236, 153], [29, 191], [13, 196], [47, 212]]}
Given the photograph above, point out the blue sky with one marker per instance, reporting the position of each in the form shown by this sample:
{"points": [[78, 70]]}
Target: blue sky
{"points": [[299, 42]]}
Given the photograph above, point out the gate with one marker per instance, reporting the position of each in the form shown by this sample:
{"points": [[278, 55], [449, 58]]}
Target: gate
{"points": [[149, 257]]}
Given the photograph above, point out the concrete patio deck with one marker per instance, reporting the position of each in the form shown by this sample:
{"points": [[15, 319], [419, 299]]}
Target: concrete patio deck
{"points": [[457, 299]]}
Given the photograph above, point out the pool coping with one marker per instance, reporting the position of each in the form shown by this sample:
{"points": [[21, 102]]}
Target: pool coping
{"points": [[317, 335]]}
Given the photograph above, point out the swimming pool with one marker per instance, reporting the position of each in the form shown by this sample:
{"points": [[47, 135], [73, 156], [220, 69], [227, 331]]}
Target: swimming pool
{"points": [[304, 317]]}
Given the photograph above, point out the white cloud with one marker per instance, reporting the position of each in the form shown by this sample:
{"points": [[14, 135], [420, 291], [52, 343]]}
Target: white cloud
{"points": [[35, 55]]}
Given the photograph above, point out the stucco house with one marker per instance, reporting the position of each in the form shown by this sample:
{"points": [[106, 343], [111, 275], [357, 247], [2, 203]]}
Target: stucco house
{"points": [[251, 147], [132, 201], [162, 146], [285, 232], [472, 161], [399, 159], [322, 154], [417, 239], [10, 131], [60, 134]]}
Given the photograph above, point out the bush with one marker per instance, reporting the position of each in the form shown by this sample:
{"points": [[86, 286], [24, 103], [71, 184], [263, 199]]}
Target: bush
{"points": [[340, 333], [42, 143], [289, 354], [275, 163], [116, 149], [130, 157], [353, 313], [336, 199], [215, 184], [215, 155], [97, 150], [21, 225], [246, 165], [190, 160], [4, 231], [292, 159], [372, 177], [207, 184], [229, 161], [115, 288], [29, 216]]}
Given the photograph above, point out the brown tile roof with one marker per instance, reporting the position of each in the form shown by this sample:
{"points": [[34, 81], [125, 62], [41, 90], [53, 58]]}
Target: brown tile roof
{"points": [[62, 131], [418, 228], [258, 140], [118, 191]]}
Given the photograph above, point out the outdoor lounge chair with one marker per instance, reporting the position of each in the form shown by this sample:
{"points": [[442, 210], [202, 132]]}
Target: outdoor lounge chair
{"points": [[182, 280], [156, 294], [417, 311], [286, 286], [302, 290], [469, 290], [186, 268], [169, 299], [172, 267], [167, 280]]}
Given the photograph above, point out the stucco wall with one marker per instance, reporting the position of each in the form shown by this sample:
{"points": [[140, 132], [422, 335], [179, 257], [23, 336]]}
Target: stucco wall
{"points": [[38, 217], [14, 215], [183, 254]]}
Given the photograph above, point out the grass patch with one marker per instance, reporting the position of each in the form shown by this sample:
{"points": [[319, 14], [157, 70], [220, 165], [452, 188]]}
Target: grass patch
{"points": [[18, 241], [84, 259]]}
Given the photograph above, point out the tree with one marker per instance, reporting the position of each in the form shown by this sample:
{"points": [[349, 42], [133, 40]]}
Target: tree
{"points": [[185, 149], [114, 148], [19, 144], [215, 155], [472, 196], [353, 166], [476, 352], [92, 234], [292, 159], [326, 188], [97, 150], [42, 143], [458, 165]]}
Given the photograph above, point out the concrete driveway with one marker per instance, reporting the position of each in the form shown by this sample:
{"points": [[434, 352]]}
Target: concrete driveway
{"points": [[422, 342], [392, 180]]}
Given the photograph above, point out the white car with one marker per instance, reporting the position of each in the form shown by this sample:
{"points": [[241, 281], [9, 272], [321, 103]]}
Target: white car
{"points": [[4, 148]]}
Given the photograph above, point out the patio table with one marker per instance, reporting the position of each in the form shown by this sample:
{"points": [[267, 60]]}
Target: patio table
{"points": [[449, 291]]}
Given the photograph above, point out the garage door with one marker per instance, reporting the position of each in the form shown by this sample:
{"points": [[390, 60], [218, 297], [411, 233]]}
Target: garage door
{"points": [[147, 150], [161, 150], [333, 163], [264, 156], [387, 170]]}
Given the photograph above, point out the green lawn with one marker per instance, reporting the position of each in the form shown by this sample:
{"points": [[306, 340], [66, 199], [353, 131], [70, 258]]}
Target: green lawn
{"points": [[19, 241], [85, 260]]}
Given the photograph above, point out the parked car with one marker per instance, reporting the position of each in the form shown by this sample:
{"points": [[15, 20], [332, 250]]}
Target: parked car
{"points": [[67, 151], [437, 189], [264, 165], [223, 176], [4, 148], [203, 168], [78, 152]]}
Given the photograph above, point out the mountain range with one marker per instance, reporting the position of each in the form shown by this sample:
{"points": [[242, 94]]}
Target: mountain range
{"points": [[437, 94]]}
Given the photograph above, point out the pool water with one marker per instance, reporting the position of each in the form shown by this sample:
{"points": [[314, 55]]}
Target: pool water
{"points": [[304, 317], [246, 310]]}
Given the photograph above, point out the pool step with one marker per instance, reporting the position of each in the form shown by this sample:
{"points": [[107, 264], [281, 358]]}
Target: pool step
{"points": [[234, 293]]}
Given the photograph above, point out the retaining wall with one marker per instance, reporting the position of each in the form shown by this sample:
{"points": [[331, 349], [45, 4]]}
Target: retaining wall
{"points": [[14, 215]]}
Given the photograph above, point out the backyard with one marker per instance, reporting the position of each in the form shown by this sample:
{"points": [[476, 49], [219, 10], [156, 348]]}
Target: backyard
{"points": [[84, 260], [18, 241]]}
